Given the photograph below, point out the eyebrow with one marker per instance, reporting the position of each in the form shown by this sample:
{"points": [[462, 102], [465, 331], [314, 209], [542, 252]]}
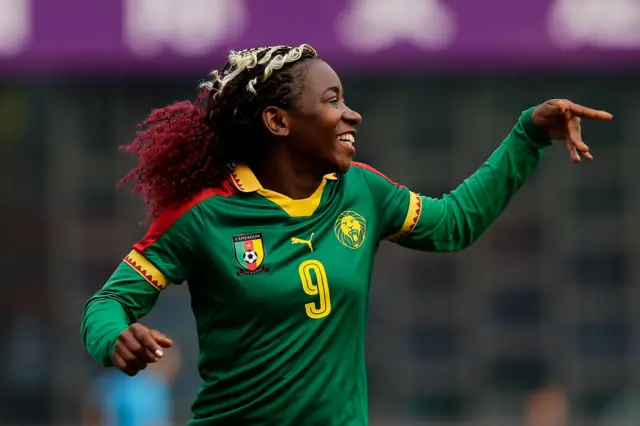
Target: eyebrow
{"points": [[335, 89]]}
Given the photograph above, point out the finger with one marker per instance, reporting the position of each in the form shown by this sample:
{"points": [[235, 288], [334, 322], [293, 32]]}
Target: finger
{"points": [[130, 357], [575, 130], [573, 152], [121, 363], [118, 361], [136, 346], [594, 114], [152, 350], [161, 339], [574, 137]]}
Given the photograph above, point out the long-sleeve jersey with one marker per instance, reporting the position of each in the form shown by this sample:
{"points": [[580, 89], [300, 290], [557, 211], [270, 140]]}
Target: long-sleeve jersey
{"points": [[280, 287]]}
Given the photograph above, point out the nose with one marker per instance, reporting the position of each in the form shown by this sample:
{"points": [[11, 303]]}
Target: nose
{"points": [[352, 117]]}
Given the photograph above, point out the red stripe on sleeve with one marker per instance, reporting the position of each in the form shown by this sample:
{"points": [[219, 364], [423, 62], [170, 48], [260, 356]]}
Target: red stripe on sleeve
{"points": [[169, 216], [371, 169]]}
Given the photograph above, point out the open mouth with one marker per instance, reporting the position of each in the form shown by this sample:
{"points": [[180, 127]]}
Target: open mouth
{"points": [[347, 139]]}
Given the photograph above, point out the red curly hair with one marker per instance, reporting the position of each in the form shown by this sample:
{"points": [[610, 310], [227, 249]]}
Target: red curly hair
{"points": [[174, 150], [186, 147]]}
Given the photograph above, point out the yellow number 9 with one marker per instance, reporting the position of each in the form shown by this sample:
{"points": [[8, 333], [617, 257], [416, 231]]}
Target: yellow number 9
{"points": [[322, 307]]}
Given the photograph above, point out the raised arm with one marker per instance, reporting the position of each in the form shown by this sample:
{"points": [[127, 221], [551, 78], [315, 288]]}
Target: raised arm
{"points": [[459, 218]]}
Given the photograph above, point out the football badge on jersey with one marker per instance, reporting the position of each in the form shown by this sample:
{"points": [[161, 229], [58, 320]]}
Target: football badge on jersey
{"points": [[250, 254], [350, 229]]}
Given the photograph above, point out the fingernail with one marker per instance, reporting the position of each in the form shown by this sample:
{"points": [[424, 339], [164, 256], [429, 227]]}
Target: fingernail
{"points": [[158, 353]]}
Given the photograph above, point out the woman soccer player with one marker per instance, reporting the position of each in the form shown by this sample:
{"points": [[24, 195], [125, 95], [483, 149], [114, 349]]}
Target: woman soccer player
{"points": [[256, 203]]}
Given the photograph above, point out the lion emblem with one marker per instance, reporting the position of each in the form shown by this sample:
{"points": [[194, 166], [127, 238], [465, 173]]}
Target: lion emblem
{"points": [[350, 229]]}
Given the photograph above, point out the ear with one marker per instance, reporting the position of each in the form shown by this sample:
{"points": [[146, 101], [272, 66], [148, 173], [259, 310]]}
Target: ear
{"points": [[277, 121]]}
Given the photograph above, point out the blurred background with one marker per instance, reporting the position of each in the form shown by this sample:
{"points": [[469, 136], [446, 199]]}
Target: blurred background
{"points": [[536, 324]]}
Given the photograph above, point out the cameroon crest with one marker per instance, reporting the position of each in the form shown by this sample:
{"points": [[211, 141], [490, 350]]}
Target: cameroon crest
{"points": [[249, 251], [350, 229]]}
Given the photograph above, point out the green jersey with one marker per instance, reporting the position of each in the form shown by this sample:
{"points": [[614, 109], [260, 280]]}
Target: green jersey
{"points": [[280, 287]]}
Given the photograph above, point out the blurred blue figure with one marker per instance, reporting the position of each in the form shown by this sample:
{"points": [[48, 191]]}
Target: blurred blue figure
{"points": [[116, 399]]}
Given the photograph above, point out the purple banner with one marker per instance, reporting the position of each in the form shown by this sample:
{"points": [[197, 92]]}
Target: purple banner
{"points": [[160, 36]]}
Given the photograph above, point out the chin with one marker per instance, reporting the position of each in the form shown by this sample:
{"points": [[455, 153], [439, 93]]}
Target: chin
{"points": [[340, 160], [343, 165]]}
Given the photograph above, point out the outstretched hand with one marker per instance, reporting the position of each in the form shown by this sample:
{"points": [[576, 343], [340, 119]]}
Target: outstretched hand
{"points": [[561, 119]]}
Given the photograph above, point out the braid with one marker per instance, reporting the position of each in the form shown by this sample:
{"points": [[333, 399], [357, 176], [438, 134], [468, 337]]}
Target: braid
{"points": [[258, 60], [252, 80], [184, 148]]}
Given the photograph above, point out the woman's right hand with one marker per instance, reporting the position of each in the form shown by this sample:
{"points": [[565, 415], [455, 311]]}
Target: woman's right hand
{"points": [[138, 346]]}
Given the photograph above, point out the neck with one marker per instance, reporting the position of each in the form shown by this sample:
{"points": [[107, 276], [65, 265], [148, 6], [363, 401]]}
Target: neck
{"points": [[281, 172]]}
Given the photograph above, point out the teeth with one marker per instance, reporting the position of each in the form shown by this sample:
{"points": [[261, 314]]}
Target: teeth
{"points": [[347, 137]]}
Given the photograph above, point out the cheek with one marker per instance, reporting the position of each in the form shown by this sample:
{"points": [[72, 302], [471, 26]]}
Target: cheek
{"points": [[318, 128], [323, 129], [330, 121]]}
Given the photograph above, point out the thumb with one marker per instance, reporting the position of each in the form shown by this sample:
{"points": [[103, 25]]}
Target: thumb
{"points": [[161, 339]]}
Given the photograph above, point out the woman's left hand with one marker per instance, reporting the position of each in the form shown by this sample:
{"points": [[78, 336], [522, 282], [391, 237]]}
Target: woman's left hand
{"points": [[561, 119]]}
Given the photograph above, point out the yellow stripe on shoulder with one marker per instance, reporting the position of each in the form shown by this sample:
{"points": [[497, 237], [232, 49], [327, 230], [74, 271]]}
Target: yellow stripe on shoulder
{"points": [[412, 218], [150, 273]]}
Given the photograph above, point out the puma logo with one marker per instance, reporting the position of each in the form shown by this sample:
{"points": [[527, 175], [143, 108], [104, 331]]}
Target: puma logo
{"points": [[295, 240]]}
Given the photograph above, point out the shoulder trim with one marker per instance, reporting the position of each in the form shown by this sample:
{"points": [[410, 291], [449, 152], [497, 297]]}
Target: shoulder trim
{"points": [[411, 219], [371, 169], [169, 216], [146, 270]]}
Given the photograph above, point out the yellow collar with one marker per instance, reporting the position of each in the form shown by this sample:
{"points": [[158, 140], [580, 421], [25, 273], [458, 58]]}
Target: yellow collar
{"points": [[244, 179]]}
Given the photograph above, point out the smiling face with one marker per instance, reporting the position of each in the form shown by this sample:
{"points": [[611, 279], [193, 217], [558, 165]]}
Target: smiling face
{"points": [[320, 128]]}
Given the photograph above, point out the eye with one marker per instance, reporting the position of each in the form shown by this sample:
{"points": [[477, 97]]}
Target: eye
{"points": [[334, 101]]}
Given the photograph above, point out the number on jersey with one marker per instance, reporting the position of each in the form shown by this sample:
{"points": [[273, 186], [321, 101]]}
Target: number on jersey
{"points": [[315, 283]]}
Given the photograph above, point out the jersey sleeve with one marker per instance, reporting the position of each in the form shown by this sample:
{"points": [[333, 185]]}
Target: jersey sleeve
{"points": [[456, 220], [164, 256]]}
